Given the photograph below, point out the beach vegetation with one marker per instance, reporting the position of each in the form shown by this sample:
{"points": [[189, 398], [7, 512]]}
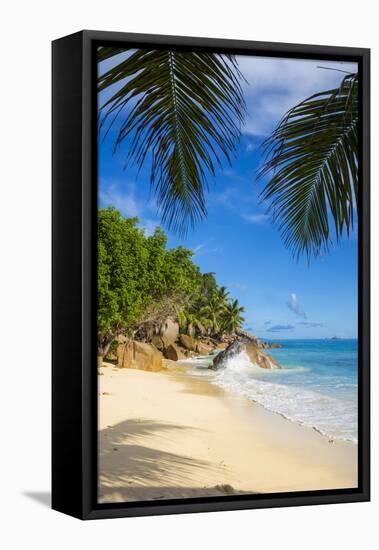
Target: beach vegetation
{"points": [[142, 282], [232, 318]]}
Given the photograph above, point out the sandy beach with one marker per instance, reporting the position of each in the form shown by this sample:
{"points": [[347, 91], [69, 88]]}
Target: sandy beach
{"points": [[169, 435]]}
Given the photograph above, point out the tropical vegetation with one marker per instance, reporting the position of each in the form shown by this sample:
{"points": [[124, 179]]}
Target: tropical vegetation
{"points": [[141, 283], [313, 167], [182, 112]]}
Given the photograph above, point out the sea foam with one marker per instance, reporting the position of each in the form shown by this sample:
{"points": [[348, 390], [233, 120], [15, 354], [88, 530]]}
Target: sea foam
{"points": [[333, 416]]}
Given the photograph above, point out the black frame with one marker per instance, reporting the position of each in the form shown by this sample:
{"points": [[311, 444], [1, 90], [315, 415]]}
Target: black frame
{"points": [[74, 418]]}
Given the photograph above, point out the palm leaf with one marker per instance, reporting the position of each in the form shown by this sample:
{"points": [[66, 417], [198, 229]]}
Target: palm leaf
{"points": [[312, 158], [181, 112]]}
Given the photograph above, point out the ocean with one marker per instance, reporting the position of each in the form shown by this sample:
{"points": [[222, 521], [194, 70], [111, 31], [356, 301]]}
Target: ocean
{"points": [[317, 385]]}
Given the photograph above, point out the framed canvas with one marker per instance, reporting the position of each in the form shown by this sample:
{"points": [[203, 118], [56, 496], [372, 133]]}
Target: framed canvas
{"points": [[210, 275]]}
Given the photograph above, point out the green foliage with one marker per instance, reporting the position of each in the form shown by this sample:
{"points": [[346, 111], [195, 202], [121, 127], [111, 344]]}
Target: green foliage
{"points": [[232, 316], [211, 312], [313, 165], [182, 112], [181, 273], [123, 280], [141, 281]]}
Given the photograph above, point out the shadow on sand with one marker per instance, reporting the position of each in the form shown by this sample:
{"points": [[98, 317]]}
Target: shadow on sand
{"points": [[132, 470]]}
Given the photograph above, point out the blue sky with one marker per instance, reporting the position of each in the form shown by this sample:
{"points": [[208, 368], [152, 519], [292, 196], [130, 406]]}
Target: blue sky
{"points": [[282, 298]]}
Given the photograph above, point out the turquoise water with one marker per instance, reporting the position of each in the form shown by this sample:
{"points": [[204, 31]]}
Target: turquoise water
{"points": [[317, 385], [328, 366]]}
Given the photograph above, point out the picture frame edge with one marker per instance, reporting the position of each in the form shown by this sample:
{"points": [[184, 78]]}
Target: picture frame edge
{"points": [[74, 430]]}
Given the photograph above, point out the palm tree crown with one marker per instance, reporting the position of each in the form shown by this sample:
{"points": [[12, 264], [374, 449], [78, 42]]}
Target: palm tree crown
{"points": [[182, 112], [213, 311], [232, 317], [313, 164]]}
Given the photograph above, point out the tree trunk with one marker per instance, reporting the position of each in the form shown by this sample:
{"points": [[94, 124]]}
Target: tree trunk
{"points": [[103, 348]]}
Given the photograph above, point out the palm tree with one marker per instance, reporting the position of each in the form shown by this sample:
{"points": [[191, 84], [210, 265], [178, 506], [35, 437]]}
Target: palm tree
{"points": [[182, 113], [195, 324], [232, 317], [182, 318], [209, 284], [222, 294], [313, 163], [191, 322], [213, 311]]}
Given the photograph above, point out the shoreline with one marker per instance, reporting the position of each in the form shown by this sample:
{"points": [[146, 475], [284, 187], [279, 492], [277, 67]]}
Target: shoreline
{"points": [[169, 434], [189, 364], [183, 368]]}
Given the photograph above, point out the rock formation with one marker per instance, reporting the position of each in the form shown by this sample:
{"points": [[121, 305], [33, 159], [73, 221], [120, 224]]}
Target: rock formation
{"points": [[175, 347], [169, 330], [139, 355], [267, 345], [233, 349], [259, 358], [188, 342], [174, 353], [251, 347]]}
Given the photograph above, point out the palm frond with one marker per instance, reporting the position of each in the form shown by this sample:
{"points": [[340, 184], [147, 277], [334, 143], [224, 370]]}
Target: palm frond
{"points": [[182, 113], [312, 159]]}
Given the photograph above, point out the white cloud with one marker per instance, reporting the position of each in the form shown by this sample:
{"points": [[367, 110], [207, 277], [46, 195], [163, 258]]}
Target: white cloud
{"points": [[226, 198], [121, 196], [198, 248], [275, 85], [310, 325], [149, 226], [204, 248], [294, 306], [250, 147], [255, 218], [279, 328], [231, 197]]}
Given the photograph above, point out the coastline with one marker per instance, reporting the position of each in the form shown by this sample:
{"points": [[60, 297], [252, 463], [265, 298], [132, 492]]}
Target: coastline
{"points": [[171, 435]]}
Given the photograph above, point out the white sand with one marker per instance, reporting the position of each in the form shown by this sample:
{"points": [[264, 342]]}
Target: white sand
{"points": [[169, 435]]}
